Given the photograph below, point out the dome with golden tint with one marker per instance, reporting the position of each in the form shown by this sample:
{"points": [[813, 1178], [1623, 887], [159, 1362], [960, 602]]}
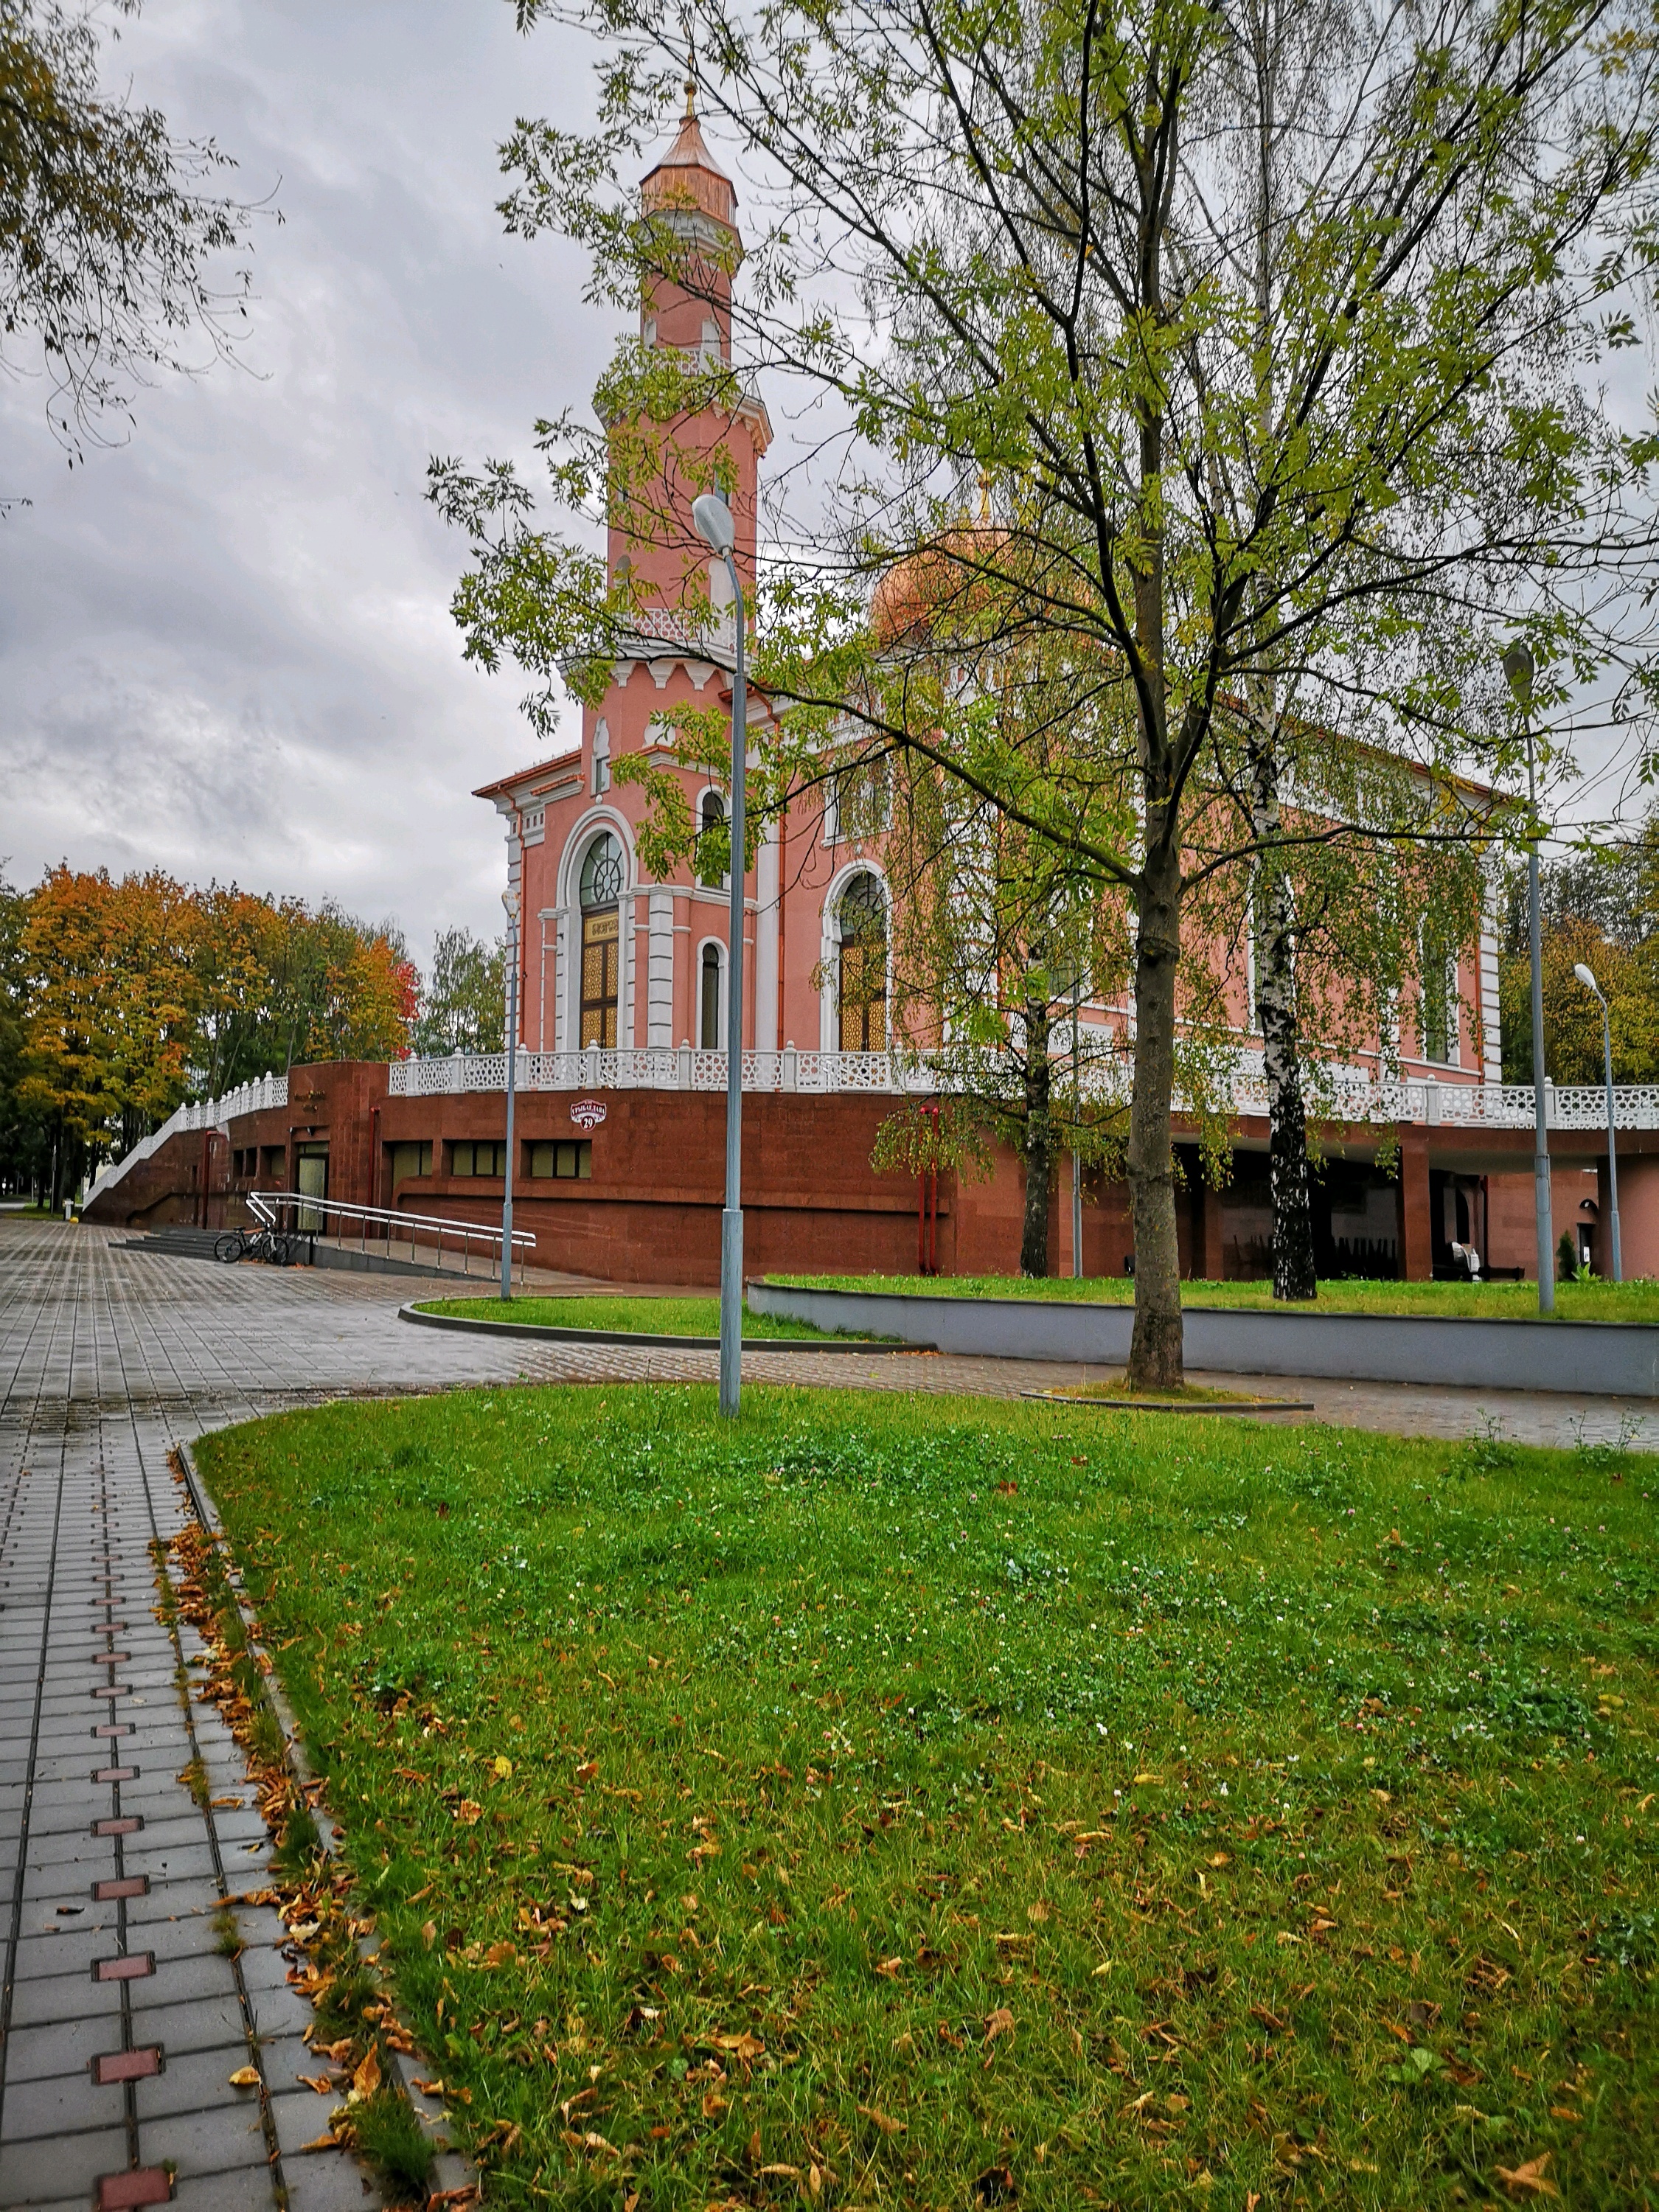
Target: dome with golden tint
{"points": [[689, 180], [916, 599]]}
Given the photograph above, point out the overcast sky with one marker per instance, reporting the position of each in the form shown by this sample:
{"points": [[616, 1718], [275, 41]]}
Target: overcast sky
{"points": [[226, 649]]}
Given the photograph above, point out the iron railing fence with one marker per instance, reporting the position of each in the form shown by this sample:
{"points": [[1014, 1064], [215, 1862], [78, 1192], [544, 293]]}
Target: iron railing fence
{"points": [[292, 1213]]}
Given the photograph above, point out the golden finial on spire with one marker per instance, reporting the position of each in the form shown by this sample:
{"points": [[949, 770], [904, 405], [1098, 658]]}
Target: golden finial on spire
{"points": [[691, 98], [985, 496]]}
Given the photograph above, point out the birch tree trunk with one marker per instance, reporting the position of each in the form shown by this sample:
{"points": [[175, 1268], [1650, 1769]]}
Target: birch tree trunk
{"points": [[1275, 918], [1294, 1275], [1039, 1144]]}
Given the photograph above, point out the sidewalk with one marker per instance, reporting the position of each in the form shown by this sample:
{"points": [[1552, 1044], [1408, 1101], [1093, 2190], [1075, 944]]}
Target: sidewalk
{"points": [[122, 2018]]}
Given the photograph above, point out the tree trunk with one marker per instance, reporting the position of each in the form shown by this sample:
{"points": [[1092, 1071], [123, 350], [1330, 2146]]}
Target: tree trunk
{"points": [[1155, 1352], [1294, 1275], [1039, 1144]]}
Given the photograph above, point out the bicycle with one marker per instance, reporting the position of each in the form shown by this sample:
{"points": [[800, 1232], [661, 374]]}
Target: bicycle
{"points": [[239, 1244]]}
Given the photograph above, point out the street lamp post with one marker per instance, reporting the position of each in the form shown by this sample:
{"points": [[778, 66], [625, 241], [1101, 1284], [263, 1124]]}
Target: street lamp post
{"points": [[1589, 983], [1077, 1176], [1519, 667], [712, 518], [510, 900]]}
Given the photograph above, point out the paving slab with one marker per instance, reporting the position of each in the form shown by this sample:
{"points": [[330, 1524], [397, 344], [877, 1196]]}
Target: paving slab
{"points": [[107, 1865]]}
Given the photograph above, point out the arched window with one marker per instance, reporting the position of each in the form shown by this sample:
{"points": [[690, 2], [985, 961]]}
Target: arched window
{"points": [[711, 815], [601, 889], [862, 981], [708, 1002]]}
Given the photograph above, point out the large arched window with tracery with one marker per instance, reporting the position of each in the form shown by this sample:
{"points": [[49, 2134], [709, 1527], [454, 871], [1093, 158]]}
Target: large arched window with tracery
{"points": [[601, 893], [861, 982]]}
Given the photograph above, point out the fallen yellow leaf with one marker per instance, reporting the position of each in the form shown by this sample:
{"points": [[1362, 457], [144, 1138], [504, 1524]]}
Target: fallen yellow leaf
{"points": [[366, 2080], [1530, 2179], [1000, 2022], [244, 2077], [885, 2121]]}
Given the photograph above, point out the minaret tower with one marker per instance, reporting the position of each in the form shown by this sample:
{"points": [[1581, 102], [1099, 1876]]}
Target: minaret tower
{"points": [[693, 197]]}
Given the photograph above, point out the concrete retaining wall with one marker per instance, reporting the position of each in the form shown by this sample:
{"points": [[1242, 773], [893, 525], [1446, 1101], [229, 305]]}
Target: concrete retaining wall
{"points": [[1610, 1359]]}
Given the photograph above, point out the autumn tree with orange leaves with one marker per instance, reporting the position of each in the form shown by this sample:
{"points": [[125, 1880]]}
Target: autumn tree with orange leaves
{"points": [[120, 999]]}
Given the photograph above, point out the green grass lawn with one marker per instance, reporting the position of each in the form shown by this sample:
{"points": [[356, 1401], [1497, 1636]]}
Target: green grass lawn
{"points": [[648, 1317], [1573, 1301], [940, 1803]]}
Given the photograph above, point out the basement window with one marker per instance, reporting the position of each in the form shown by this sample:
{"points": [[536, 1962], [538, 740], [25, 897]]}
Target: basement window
{"points": [[474, 1160], [570, 1161]]}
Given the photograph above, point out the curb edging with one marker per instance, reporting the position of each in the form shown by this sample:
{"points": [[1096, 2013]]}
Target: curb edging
{"points": [[545, 1331], [451, 2173]]}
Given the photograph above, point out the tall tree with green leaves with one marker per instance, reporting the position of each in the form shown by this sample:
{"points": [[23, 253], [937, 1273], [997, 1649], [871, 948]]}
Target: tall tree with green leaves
{"points": [[1004, 243], [115, 247], [462, 1003]]}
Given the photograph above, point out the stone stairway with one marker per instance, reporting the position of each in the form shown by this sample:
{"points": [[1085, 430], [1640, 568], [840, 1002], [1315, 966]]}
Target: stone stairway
{"points": [[182, 1243]]}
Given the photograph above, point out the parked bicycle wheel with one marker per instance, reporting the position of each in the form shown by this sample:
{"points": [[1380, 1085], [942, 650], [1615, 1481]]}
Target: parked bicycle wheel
{"points": [[282, 1252], [230, 1246]]}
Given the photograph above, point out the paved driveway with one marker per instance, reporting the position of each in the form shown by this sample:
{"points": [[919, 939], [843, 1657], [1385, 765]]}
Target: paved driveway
{"points": [[120, 2019]]}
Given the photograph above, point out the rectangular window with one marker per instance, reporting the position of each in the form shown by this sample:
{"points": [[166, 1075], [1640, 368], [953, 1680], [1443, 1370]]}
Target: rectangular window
{"points": [[572, 1160], [410, 1159], [476, 1159], [277, 1160], [1438, 1005]]}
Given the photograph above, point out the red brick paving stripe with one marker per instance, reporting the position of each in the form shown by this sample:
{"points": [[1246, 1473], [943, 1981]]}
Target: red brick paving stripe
{"points": [[115, 1774], [108, 1658], [112, 1691], [143, 2184], [128, 1825], [126, 2065], [113, 1727], [128, 1884], [132, 1967]]}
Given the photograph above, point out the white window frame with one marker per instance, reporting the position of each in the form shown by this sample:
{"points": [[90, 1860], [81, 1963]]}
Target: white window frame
{"points": [[721, 1025]]}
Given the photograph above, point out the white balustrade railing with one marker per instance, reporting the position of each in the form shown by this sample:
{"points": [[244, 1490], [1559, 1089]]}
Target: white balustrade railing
{"points": [[209, 1113], [665, 1067], [1338, 1094]]}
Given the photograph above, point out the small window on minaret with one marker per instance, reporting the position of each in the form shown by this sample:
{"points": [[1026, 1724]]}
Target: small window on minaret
{"points": [[711, 336], [601, 757]]}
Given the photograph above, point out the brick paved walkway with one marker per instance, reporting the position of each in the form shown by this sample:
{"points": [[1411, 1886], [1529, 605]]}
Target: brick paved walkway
{"points": [[121, 2019]]}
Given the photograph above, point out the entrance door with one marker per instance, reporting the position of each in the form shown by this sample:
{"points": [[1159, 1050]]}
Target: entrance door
{"points": [[598, 1004], [311, 1181]]}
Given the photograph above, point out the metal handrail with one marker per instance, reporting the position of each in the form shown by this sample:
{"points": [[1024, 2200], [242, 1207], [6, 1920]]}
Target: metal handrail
{"points": [[265, 1206]]}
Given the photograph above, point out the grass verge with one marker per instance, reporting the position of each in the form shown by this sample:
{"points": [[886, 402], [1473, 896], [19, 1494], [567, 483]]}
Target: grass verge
{"points": [[646, 1316], [1630, 1302], [921, 1803]]}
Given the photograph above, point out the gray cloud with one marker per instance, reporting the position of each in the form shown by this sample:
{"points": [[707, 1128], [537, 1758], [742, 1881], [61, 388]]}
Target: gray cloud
{"points": [[225, 648]]}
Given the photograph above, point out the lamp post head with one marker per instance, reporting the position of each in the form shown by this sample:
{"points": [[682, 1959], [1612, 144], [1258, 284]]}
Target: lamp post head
{"points": [[1586, 978], [712, 520], [1519, 667], [510, 900]]}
